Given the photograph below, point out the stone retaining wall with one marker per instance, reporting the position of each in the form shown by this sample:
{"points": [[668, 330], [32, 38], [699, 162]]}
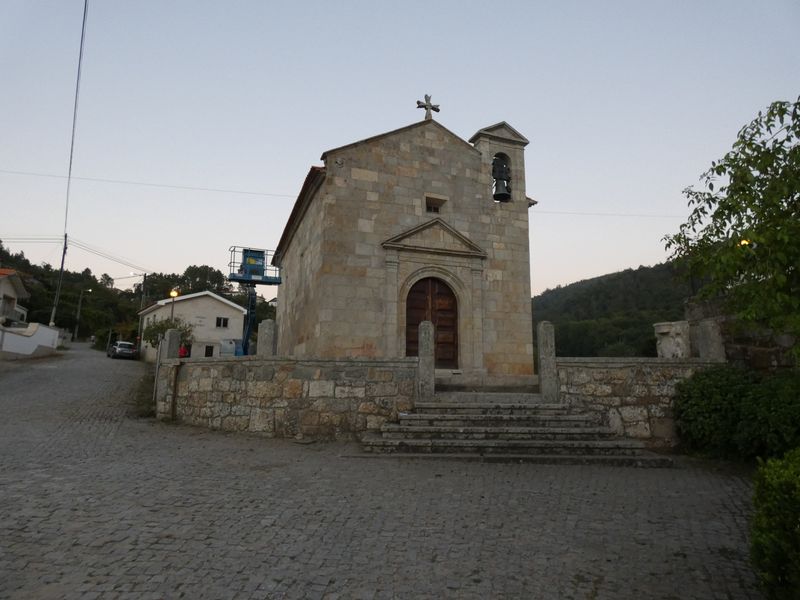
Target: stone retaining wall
{"points": [[279, 397], [633, 396]]}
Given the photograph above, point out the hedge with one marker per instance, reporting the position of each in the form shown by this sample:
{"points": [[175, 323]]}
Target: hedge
{"points": [[775, 533], [729, 412]]}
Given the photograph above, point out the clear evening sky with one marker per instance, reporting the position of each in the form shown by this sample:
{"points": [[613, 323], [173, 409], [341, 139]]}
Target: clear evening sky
{"points": [[625, 103]]}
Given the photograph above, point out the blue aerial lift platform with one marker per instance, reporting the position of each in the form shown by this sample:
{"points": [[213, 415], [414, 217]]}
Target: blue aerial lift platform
{"points": [[250, 267]]}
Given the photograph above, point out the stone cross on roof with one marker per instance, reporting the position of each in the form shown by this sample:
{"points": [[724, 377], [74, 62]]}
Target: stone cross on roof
{"points": [[428, 107]]}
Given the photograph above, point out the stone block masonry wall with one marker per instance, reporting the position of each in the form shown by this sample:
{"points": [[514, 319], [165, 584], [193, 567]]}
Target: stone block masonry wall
{"points": [[278, 397], [633, 396]]}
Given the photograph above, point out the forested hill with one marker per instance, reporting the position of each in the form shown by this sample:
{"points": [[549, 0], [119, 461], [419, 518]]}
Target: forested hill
{"points": [[613, 315]]}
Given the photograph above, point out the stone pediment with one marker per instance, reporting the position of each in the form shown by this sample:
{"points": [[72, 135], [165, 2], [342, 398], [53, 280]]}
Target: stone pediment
{"points": [[501, 131], [435, 237]]}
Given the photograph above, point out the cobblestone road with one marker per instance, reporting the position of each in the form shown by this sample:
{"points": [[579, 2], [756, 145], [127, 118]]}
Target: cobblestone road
{"points": [[95, 503]]}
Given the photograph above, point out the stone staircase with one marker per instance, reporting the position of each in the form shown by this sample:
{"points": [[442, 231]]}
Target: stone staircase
{"points": [[506, 426]]}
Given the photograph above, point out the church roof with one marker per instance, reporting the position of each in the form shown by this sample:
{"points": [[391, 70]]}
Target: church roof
{"points": [[501, 131], [313, 180], [317, 174], [423, 123]]}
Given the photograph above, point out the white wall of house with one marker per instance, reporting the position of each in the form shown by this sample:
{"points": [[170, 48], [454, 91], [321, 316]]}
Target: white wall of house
{"points": [[215, 321], [8, 301]]}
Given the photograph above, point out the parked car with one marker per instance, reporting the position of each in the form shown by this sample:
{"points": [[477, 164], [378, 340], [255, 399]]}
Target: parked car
{"points": [[122, 350]]}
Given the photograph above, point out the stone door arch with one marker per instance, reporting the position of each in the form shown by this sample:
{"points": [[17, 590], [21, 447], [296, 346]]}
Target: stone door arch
{"points": [[431, 299]]}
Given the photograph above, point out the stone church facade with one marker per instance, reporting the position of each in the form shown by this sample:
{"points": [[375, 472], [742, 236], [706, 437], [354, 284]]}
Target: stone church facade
{"points": [[403, 227]]}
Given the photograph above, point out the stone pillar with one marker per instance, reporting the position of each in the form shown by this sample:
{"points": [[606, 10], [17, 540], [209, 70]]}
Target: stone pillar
{"points": [[546, 351], [708, 340], [172, 343], [391, 303], [266, 338], [672, 339], [477, 318], [427, 362]]}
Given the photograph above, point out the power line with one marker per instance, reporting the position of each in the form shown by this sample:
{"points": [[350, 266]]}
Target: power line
{"points": [[76, 243], [251, 193], [32, 240], [600, 214], [148, 184], [107, 255]]}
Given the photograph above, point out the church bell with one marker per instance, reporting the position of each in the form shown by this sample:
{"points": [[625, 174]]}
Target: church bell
{"points": [[501, 173], [502, 191]]}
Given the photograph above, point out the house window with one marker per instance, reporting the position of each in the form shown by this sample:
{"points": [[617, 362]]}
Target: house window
{"points": [[209, 351], [222, 321], [434, 205]]}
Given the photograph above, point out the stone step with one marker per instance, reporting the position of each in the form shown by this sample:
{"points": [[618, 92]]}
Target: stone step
{"points": [[393, 431], [645, 459], [490, 408], [374, 443], [480, 420], [488, 397]]}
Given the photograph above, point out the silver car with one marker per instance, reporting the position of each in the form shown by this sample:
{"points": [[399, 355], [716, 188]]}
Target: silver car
{"points": [[122, 350]]}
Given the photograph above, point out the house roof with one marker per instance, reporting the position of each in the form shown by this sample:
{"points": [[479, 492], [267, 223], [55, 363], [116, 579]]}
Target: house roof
{"points": [[168, 301], [16, 282]]}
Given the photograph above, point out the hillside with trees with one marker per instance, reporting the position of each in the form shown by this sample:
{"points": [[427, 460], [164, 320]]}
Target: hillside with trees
{"points": [[613, 315]]}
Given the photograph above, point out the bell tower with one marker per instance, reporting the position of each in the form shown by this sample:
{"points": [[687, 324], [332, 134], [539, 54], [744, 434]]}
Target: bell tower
{"points": [[503, 150], [503, 206]]}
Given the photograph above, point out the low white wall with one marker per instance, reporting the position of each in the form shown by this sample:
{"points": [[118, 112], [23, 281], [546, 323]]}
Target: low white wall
{"points": [[34, 340]]}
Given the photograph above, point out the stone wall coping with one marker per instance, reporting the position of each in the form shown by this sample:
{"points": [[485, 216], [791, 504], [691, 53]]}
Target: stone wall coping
{"points": [[410, 362], [623, 361]]}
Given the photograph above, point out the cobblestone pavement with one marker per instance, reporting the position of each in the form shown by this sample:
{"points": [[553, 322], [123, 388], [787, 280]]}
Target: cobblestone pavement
{"points": [[95, 503]]}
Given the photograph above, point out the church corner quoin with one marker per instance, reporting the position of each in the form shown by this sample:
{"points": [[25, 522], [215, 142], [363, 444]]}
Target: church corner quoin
{"points": [[404, 227]]}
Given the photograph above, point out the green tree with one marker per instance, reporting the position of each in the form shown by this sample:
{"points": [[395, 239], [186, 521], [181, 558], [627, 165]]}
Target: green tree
{"points": [[154, 331], [201, 278], [742, 237]]}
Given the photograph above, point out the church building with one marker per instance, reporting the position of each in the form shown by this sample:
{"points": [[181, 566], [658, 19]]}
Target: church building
{"points": [[411, 225]]}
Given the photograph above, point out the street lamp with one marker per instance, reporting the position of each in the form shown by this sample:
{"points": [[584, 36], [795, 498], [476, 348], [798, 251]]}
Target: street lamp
{"points": [[172, 294], [78, 314]]}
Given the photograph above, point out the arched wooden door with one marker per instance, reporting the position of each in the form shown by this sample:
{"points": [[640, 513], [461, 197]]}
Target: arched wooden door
{"points": [[432, 300]]}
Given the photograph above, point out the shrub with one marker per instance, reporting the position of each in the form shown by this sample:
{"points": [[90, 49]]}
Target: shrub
{"points": [[769, 417], [155, 331], [707, 409], [775, 535]]}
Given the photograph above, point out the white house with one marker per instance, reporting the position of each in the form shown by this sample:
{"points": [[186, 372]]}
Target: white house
{"points": [[11, 291], [216, 322]]}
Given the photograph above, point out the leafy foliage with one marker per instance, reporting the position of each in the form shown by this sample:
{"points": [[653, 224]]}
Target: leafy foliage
{"points": [[729, 412], [743, 234], [707, 409], [769, 416], [194, 279], [613, 315], [775, 535], [155, 331]]}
